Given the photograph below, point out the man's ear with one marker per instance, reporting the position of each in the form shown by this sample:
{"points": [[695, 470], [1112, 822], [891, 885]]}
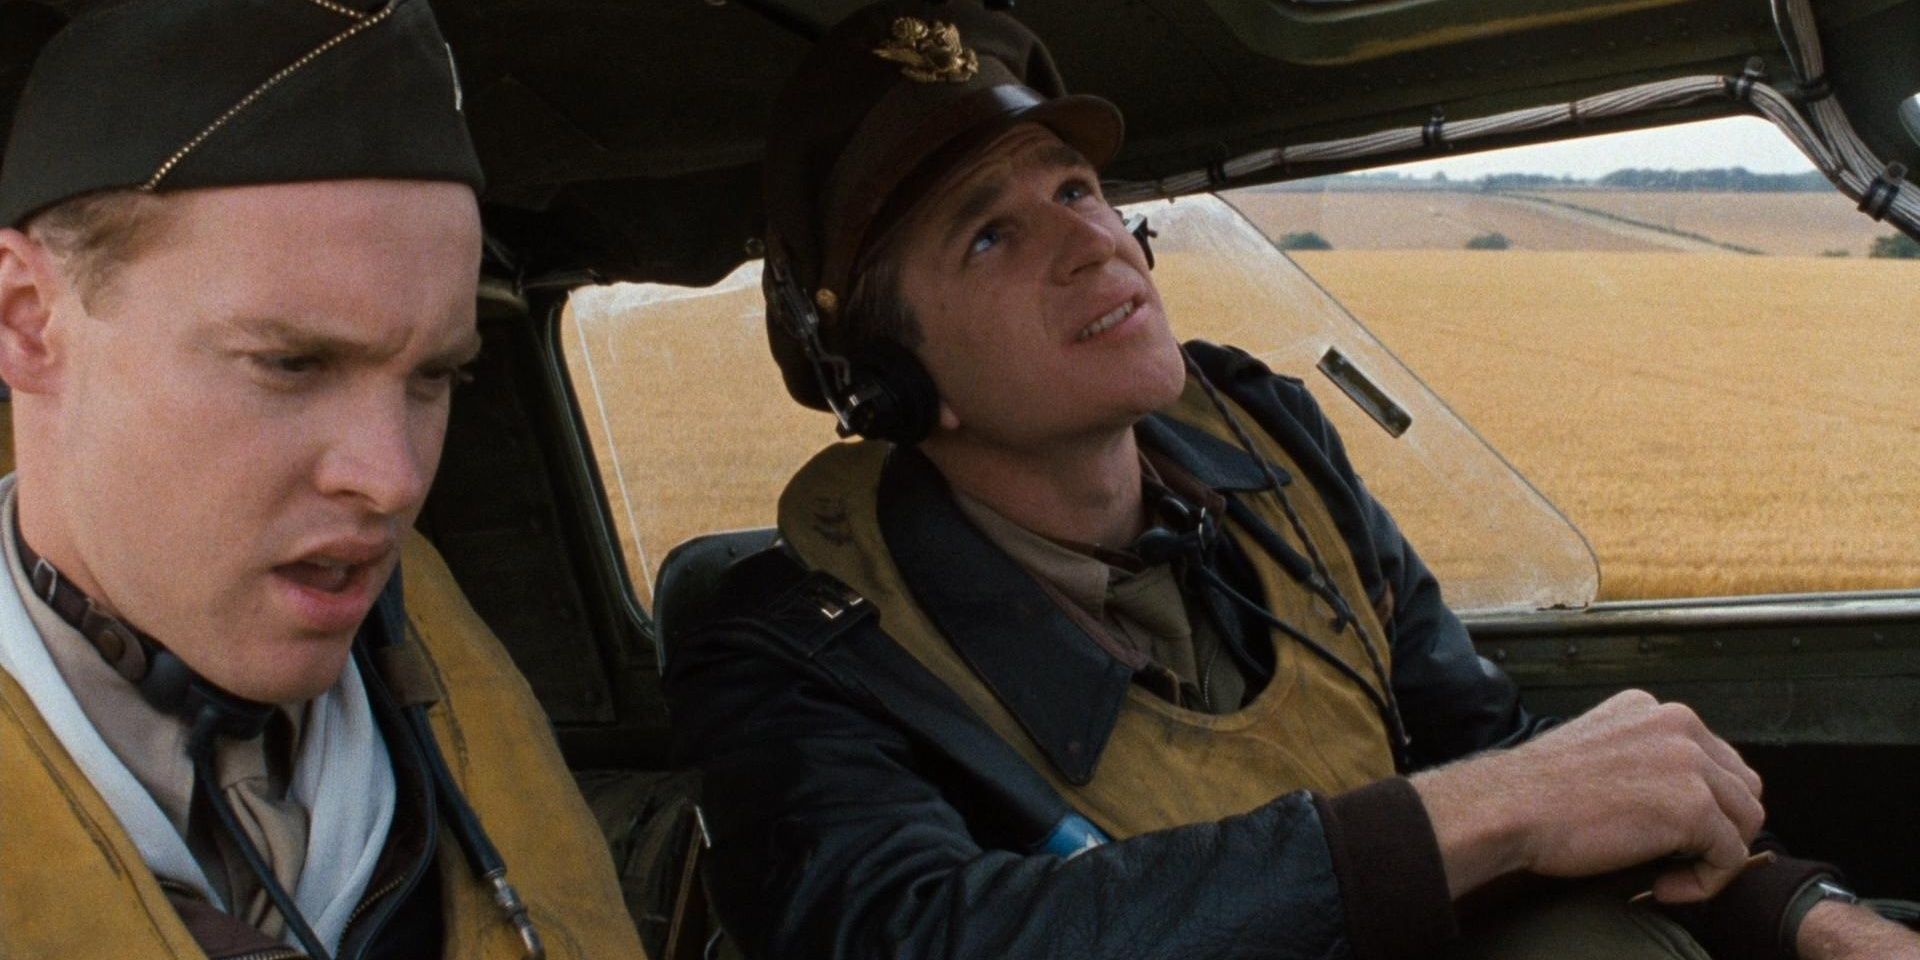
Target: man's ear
{"points": [[30, 283]]}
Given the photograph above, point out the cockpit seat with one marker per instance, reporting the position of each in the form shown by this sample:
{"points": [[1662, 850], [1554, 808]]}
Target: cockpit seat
{"points": [[683, 593]]}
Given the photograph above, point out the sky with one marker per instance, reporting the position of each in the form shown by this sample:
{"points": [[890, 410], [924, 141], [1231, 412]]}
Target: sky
{"points": [[1735, 142]]}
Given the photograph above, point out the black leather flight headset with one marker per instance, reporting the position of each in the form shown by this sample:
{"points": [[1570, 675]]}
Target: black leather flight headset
{"points": [[878, 390]]}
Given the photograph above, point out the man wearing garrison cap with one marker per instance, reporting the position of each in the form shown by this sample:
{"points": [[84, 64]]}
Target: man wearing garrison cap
{"points": [[1096, 650], [239, 243]]}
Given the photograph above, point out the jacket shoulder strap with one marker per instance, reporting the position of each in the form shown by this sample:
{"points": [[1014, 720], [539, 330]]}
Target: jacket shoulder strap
{"points": [[804, 609]]}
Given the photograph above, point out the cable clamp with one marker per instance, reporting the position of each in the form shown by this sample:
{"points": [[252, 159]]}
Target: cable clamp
{"points": [[1741, 87], [1883, 190], [1433, 134], [1813, 91]]}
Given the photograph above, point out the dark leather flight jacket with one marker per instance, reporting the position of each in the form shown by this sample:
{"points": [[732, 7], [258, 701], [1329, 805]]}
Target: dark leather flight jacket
{"points": [[858, 809]]}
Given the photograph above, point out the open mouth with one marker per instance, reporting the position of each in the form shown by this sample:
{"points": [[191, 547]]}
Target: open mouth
{"points": [[330, 590], [338, 571], [1111, 319], [323, 574]]}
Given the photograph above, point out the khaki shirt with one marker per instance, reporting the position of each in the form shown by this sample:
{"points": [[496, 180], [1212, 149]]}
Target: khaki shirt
{"points": [[1177, 653], [254, 774]]}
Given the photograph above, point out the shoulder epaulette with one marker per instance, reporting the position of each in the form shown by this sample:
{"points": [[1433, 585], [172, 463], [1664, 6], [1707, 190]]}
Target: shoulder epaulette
{"points": [[808, 609]]}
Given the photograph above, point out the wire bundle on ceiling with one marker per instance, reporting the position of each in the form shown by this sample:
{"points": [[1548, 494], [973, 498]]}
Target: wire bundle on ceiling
{"points": [[1823, 132], [1827, 137]]}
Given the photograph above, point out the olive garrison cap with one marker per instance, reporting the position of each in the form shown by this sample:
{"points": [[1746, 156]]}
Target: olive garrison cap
{"points": [[889, 99], [179, 94]]}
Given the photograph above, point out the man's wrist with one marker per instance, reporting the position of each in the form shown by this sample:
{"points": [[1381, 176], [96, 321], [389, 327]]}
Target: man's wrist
{"points": [[1814, 895], [1833, 929], [1479, 841]]}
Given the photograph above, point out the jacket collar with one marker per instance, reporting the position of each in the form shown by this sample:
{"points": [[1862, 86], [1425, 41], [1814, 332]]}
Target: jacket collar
{"points": [[1062, 688], [1220, 465]]}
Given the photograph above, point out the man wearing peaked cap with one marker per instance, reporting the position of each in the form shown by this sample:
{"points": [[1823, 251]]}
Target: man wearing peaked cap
{"points": [[1097, 646], [870, 128], [239, 244]]}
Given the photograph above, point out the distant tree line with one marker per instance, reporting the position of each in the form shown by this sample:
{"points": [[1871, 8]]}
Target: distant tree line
{"points": [[1726, 179], [1526, 181], [1735, 179]]}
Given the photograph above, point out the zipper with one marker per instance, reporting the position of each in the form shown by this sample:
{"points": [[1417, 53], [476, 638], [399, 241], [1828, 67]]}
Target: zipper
{"points": [[1206, 676], [276, 953], [371, 899], [396, 890]]}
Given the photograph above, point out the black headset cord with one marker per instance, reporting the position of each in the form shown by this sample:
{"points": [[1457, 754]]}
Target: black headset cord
{"points": [[1190, 548], [1322, 582], [1343, 613], [1389, 711], [482, 856], [488, 866], [200, 744]]}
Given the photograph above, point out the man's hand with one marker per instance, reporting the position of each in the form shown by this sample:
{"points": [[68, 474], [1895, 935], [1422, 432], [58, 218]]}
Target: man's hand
{"points": [[1840, 931], [1628, 782]]}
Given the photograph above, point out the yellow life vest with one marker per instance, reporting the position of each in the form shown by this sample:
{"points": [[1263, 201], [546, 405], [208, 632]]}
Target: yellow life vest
{"points": [[73, 885], [1163, 766]]}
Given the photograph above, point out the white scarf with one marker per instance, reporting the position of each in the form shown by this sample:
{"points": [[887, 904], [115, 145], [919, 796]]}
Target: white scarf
{"points": [[343, 776]]}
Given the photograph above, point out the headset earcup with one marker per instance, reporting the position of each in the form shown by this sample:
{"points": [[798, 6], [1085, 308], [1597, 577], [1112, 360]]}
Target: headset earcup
{"points": [[897, 399]]}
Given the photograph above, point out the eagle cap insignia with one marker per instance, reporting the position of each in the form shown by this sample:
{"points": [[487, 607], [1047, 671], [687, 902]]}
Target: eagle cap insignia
{"points": [[928, 52]]}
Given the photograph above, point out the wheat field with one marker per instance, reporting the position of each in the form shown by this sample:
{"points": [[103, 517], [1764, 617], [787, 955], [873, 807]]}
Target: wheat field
{"points": [[1430, 220], [1715, 424], [1712, 423]]}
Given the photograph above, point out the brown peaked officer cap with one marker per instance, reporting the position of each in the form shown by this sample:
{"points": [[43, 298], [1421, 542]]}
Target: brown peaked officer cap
{"points": [[889, 99], [179, 94]]}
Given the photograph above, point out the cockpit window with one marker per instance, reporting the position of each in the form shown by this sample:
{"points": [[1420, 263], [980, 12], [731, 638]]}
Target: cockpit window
{"points": [[695, 434], [689, 422], [1493, 541], [1687, 339], [1703, 371]]}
